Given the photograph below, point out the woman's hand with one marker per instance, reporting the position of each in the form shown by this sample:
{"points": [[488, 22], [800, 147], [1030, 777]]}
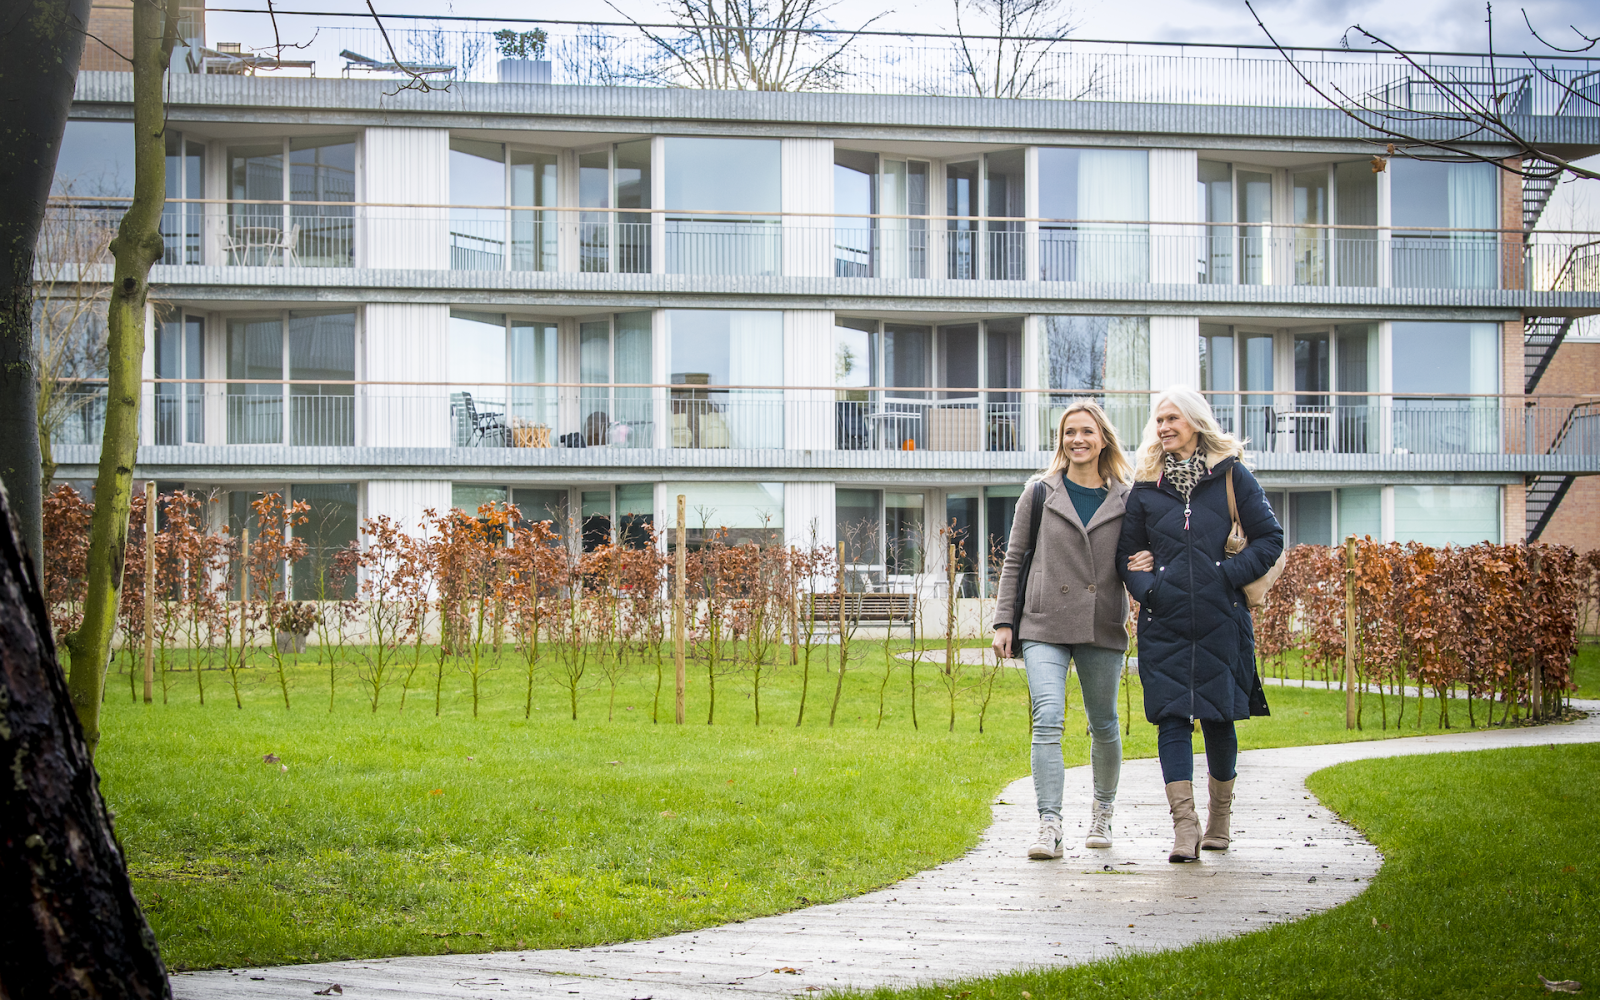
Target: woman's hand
{"points": [[1002, 643], [1142, 562]]}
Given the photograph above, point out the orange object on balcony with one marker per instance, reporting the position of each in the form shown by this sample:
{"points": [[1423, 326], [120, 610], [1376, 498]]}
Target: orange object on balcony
{"points": [[909, 444]]}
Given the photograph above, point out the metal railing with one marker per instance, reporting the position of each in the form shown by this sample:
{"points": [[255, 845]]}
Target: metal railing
{"points": [[909, 63], [290, 234], [719, 418]]}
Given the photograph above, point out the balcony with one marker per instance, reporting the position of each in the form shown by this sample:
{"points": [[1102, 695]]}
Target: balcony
{"points": [[291, 235], [589, 424]]}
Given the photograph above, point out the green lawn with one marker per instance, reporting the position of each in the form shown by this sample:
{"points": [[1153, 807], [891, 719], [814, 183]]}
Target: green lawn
{"points": [[390, 833], [1491, 877], [1586, 670]]}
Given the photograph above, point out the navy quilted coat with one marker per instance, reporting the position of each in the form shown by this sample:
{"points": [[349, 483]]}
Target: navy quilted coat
{"points": [[1196, 642]]}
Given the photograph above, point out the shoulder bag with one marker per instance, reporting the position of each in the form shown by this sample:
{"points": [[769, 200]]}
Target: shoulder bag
{"points": [[1255, 592], [1025, 566]]}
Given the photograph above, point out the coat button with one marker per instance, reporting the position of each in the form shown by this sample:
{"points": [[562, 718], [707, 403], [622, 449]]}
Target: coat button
{"points": [[1091, 588], [1065, 588]]}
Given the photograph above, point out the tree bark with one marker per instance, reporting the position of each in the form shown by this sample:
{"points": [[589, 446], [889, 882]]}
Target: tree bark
{"points": [[41, 42], [137, 247], [75, 929]]}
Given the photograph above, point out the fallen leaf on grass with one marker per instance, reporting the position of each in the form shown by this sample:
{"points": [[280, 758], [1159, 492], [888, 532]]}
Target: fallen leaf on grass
{"points": [[270, 758], [668, 814], [789, 969], [1561, 985], [445, 934], [335, 988], [437, 791]]}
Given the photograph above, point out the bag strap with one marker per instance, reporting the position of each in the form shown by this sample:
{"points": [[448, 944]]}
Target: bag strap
{"points": [[1233, 505], [1034, 511]]}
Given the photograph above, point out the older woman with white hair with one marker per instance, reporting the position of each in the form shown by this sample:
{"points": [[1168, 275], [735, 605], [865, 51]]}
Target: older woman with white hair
{"points": [[1196, 639]]}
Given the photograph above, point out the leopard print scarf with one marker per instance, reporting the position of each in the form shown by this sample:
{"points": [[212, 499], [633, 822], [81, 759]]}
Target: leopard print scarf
{"points": [[1184, 473]]}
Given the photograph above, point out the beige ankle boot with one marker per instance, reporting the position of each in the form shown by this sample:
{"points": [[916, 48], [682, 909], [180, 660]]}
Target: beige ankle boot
{"points": [[1219, 812], [1185, 824]]}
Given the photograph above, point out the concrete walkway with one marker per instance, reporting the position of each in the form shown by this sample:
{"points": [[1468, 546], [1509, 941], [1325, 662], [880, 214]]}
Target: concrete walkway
{"points": [[988, 912]]}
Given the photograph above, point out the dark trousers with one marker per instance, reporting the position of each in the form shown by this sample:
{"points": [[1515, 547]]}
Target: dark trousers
{"points": [[1176, 746]]}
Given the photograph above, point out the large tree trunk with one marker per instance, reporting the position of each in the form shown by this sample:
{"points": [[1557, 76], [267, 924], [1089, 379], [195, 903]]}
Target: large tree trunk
{"points": [[73, 926], [41, 42], [137, 247]]}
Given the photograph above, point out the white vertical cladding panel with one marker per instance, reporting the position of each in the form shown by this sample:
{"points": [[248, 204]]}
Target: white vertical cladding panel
{"points": [[407, 166], [1175, 251], [1174, 352], [808, 514], [407, 343], [807, 187], [808, 361], [147, 371], [407, 500]]}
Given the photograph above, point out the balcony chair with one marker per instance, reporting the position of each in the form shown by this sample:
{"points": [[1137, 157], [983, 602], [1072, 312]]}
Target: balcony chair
{"points": [[482, 426]]}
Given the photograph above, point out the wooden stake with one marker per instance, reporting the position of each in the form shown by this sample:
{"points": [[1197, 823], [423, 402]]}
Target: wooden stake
{"points": [[149, 589], [244, 589], [950, 615], [1350, 632], [680, 610], [794, 607]]}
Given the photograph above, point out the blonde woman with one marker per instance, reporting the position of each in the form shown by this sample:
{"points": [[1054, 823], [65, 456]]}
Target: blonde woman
{"points": [[1196, 643], [1072, 612]]}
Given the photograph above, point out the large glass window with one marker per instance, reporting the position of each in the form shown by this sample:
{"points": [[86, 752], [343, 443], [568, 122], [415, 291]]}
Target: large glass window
{"points": [[180, 354], [1355, 204], [1216, 208], [477, 188], [615, 177], [1444, 217], [1311, 517], [716, 356], [751, 512], [1309, 189], [1253, 189], [181, 222], [1447, 515], [255, 351], [1217, 368], [1434, 360], [1005, 191], [884, 538], [722, 200], [308, 169], [489, 353], [855, 196], [96, 160], [962, 203], [330, 527], [1361, 512], [615, 350], [1100, 199], [1106, 358], [322, 345], [535, 236]]}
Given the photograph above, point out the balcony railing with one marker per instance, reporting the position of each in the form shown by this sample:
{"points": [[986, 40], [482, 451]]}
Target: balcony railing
{"points": [[477, 238], [927, 64], [633, 417]]}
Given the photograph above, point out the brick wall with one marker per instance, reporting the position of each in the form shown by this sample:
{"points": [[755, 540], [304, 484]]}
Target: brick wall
{"points": [[1511, 226], [110, 33], [1576, 368]]}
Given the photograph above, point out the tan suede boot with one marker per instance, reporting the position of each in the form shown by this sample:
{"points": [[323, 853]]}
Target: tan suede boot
{"points": [[1219, 812], [1185, 824]]}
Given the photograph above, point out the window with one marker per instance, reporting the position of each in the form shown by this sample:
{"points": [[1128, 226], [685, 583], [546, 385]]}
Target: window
{"points": [[551, 505], [320, 345], [1332, 369], [612, 350], [477, 185], [1445, 219], [884, 537], [1253, 190], [752, 512], [1361, 512], [890, 246], [469, 497], [1110, 188], [962, 203], [1103, 357], [181, 222], [331, 526], [535, 241], [1355, 189], [932, 385], [1447, 515], [714, 357], [1309, 192], [1216, 206], [488, 351], [180, 354], [1431, 360], [316, 168], [615, 177], [722, 200], [1311, 518], [1006, 191]]}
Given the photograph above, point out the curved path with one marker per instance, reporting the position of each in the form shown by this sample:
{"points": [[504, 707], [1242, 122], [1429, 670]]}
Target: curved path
{"points": [[987, 912]]}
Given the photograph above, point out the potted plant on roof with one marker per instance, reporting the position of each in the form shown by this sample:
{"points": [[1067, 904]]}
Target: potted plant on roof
{"points": [[519, 56], [295, 621]]}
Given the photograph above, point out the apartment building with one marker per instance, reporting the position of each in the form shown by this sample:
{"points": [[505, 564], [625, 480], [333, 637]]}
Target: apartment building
{"points": [[844, 313]]}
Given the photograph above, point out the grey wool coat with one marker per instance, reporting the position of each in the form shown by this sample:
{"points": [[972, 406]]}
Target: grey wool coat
{"points": [[1074, 592]]}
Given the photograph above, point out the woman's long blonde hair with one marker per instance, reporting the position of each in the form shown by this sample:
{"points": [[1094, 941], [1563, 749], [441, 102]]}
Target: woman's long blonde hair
{"points": [[1113, 463], [1212, 441]]}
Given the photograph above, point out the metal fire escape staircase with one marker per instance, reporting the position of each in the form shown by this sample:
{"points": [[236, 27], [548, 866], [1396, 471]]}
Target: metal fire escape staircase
{"points": [[1546, 490], [1541, 335]]}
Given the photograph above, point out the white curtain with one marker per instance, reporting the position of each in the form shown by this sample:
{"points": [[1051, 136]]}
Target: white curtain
{"points": [[892, 252], [1470, 193], [1114, 184], [755, 357], [1485, 378]]}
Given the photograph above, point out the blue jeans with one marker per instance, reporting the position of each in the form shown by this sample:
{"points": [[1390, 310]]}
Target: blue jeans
{"points": [[1099, 676], [1175, 744]]}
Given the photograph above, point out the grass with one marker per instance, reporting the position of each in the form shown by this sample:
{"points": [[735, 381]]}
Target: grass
{"points": [[394, 833], [1491, 877], [1586, 670]]}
